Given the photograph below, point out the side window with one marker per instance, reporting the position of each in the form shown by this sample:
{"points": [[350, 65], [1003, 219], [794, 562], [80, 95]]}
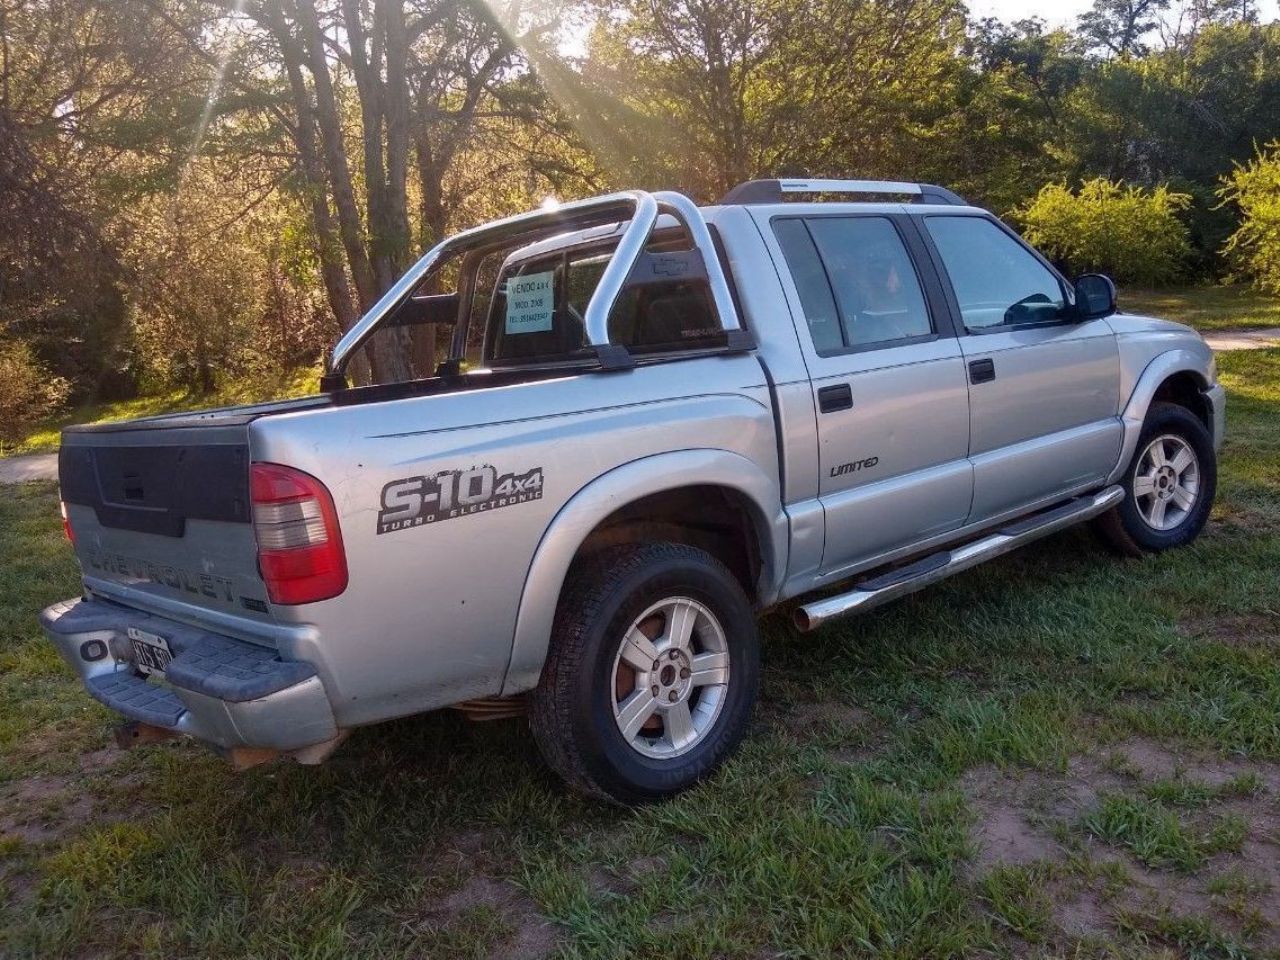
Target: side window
{"points": [[857, 284], [584, 277], [996, 280], [650, 317], [816, 299]]}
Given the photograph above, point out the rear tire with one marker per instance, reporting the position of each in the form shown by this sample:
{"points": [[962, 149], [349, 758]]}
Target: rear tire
{"points": [[651, 673], [1169, 485]]}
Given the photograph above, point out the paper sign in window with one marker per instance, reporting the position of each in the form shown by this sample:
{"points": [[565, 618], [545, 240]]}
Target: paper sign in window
{"points": [[530, 302]]}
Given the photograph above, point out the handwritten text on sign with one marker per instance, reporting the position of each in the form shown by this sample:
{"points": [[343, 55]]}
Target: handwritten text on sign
{"points": [[530, 302]]}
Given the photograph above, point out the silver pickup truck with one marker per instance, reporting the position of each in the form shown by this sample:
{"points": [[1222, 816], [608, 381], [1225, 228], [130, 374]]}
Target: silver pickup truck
{"points": [[654, 423]]}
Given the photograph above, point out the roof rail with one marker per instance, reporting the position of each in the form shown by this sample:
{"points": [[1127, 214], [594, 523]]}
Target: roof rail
{"points": [[773, 191]]}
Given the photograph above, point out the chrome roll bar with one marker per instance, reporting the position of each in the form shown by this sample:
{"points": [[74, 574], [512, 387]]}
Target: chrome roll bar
{"points": [[636, 205], [637, 208], [630, 245], [687, 212]]}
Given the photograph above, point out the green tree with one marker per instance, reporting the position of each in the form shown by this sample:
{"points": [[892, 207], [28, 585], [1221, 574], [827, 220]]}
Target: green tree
{"points": [[1183, 116], [1119, 26], [91, 115], [1133, 234], [761, 87], [58, 276], [1253, 188], [199, 286], [28, 391], [1010, 108]]}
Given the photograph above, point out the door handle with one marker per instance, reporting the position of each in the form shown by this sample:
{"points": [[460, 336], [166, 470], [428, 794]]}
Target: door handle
{"points": [[982, 371], [836, 397]]}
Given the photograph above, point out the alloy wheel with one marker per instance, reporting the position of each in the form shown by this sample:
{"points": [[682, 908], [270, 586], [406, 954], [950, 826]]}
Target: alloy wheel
{"points": [[1166, 484], [670, 678]]}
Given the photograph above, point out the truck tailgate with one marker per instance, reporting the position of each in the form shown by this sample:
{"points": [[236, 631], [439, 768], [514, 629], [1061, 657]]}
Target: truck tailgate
{"points": [[161, 513]]}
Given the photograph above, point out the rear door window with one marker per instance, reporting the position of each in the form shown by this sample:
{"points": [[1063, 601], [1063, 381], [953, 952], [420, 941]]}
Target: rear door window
{"points": [[816, 298], [857, 283]]}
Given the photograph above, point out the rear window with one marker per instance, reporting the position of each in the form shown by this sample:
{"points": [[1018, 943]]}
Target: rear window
{"points": [[530, 319], [538, 310], [857, 284]]}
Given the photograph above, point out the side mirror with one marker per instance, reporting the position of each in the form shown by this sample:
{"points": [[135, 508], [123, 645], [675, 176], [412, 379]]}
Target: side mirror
{"points": [[1095, 296], [426, 308]]}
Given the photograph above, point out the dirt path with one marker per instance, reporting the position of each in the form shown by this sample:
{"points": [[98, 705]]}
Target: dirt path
{"points": [[1221, 340], [37, 466]]}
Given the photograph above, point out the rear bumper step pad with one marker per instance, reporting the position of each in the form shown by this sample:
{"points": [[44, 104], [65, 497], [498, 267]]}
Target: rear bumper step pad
{"points": [[217, 688], [218, 666], [127, 693]]}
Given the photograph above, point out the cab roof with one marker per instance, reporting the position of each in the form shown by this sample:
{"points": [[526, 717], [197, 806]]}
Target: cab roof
{"points": [[780, 196]]}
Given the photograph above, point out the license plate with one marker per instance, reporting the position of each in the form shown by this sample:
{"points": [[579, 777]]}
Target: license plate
{"points": [[151, 653]]}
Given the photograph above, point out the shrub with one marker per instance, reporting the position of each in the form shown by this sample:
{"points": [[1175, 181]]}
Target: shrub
{"points": [[28, 392], [1254, 249], [1133, 234]]}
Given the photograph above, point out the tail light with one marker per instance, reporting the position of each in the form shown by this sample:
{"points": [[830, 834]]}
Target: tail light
{"points": [[66, 522], [299, 544]]}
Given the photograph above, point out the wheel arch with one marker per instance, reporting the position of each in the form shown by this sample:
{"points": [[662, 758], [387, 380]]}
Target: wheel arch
{"points": [[652, 494], [1186, 389], [1176, 376]]}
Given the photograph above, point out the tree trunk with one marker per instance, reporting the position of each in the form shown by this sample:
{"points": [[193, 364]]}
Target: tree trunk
{"points": [[335, 154], [366, 65], [328, 245], [388, 353], [396, 103], [433, 217], [205, 382]]}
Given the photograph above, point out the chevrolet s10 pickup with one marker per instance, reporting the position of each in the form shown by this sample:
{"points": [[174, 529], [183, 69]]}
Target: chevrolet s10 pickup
{"points": [[654, 422]]}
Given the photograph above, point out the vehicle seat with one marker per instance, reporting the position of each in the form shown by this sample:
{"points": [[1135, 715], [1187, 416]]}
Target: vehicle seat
{"points": [[674, 315]]}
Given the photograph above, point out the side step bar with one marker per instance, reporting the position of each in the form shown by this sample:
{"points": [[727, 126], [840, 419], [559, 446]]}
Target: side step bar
{"points": [[938, 566]]}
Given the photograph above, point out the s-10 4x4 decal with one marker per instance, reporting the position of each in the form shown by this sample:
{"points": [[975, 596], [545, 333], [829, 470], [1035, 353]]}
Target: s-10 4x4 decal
{"points": [[415, 501]]}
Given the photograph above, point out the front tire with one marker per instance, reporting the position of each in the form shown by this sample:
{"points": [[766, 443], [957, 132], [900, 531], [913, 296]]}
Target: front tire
{"points": [[651, 673], [1169, 485]]}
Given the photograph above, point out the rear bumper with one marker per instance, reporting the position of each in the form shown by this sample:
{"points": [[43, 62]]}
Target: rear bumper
{"points": [[220, 690]]}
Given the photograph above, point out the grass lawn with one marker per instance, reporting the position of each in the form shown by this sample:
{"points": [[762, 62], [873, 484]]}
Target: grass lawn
{"points": [[1206, 308], [1060, 753]]}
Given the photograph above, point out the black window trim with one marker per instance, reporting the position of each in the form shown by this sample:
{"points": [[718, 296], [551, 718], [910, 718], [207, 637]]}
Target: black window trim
{"points": [[940, 318], [1069, 316], [722, 255]]}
